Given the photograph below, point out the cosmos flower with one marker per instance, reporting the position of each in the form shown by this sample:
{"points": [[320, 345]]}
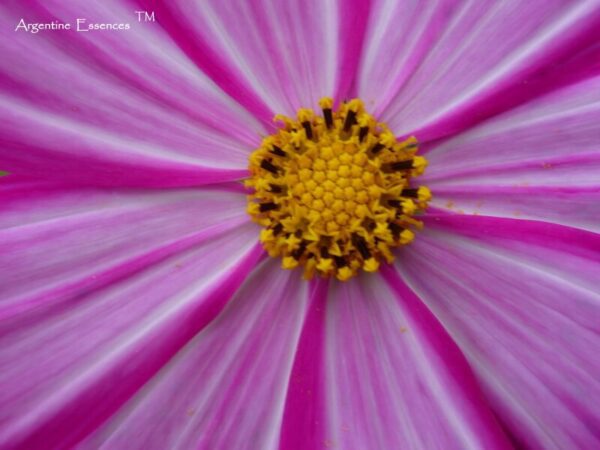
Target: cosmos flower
{"points": [[138, 308]]}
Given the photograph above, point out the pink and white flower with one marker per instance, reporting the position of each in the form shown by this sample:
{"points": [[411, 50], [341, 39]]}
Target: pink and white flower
{"points": [[137, 308]]}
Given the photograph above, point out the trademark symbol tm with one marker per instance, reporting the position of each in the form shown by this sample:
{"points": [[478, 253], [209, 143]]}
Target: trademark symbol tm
{"points": [[145, 16]]}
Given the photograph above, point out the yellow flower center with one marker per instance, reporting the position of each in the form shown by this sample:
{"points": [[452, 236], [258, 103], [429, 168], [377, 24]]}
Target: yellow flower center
{"points": [[334, 193]]}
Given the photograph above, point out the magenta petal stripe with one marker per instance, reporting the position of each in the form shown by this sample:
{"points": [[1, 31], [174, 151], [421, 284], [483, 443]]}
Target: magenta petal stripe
{"points": [[393, 372], [304, 419], [485, 49], [87, 170], [528, 232], [85, 363], [352, 28], [226, 389], [521, 300]]}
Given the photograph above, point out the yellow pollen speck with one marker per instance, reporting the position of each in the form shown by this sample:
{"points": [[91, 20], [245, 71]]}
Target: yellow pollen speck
{"points": [[335, 193]]}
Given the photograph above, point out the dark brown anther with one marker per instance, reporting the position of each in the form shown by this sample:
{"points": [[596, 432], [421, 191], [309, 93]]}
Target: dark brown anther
{"points": [[324, 252], [277, 229], [328, 117], [412, 193], [394, 203], [340, 262], [267, 165], [361, 245], [377, 148], [269, 206], [350, 120], [277, 151], [402, 165], [368, 224], [362, 134], [297, 254], [308, 128], [395, 229], [275, 188]]}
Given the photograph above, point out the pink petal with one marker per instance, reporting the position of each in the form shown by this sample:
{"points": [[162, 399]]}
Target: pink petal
{"points": [[66, 366], [291, 53], [126, 108], [226, 388], [57, 244], [521, 300], [539, 161], [394, 379], [458, 60]]}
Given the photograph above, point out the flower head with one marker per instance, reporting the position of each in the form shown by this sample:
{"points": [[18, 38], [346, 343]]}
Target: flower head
{"points": [[334, 193], [138, 306]]}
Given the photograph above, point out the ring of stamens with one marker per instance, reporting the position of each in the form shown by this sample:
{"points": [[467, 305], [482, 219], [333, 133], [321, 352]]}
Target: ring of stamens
{"points": [[335, 193]]}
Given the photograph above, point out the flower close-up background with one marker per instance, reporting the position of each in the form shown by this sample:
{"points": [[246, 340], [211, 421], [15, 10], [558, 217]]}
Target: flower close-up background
{"points": [[138, 306]]}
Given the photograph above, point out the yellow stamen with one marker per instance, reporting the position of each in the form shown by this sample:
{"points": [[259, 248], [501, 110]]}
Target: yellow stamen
{"points": [[334, 193]]}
